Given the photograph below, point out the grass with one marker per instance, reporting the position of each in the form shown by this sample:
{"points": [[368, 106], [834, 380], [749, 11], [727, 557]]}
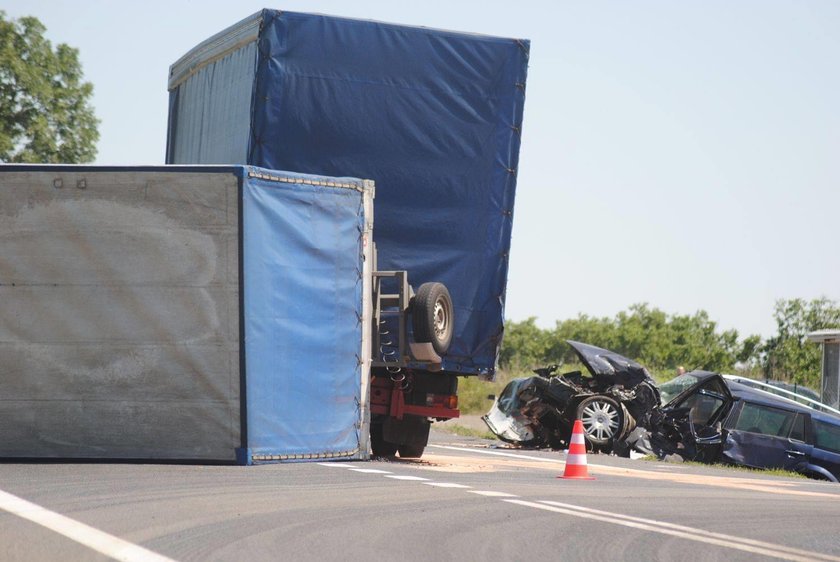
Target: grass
{"points": [[472, 393], [466, 431], [758, 471]]}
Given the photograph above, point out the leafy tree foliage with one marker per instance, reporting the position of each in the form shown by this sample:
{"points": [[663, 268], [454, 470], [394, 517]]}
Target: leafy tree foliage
{"points": [[45, 111], [659, 341], [525, 345], [789, 356], [662, 342]]}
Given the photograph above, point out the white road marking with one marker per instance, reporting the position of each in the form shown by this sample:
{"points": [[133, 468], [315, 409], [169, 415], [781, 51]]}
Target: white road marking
{"points": [[404, 477], [718, 539], [662, 527], [370, 471], [491, 494], [712, 534], [336, 464], [500, 454], [446, 485], [95, 539]]}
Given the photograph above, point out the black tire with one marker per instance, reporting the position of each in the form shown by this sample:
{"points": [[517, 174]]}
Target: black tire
{"points": [[411, 451], [432, 316], [816, 476], [603, 420], [378, 445]]}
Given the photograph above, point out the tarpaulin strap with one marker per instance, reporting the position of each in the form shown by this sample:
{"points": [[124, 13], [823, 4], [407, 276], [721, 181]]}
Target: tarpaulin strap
{"points": [[305, 456], [358, 318], [301, 180], [516, 129], [511, 170]]}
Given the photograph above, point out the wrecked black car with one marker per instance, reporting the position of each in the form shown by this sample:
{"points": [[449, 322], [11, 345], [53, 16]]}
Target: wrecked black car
{"points": [[539, 411], [699, 416]]}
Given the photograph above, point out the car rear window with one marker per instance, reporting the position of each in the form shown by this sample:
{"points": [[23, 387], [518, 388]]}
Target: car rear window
{"points": [[766, 420], [826, 435]]}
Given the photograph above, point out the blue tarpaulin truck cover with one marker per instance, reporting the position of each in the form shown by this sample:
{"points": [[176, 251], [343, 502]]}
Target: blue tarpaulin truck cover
{"points": [[183, 313], [433, 117]]}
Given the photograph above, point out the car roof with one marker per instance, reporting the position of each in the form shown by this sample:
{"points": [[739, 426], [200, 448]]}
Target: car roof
{"points": [[765, 398], [744, 392]]}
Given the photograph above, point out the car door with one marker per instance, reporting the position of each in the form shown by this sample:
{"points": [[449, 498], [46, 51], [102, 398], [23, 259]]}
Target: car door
{"points": [[703, 406], [826, 438], [706, 402], [763, 436]]}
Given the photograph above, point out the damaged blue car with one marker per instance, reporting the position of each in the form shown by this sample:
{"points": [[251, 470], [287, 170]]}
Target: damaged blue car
{"points": [[710, 418]]}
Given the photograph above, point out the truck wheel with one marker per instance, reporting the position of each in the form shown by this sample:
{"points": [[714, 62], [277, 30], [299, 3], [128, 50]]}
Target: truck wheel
{"points": [[378, 445], [603, 420], [411, 451], [432, 316]]}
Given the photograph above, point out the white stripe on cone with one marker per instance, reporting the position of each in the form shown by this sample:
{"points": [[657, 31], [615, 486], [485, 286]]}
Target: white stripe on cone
{"points": [[578, 439], [579, 460]]}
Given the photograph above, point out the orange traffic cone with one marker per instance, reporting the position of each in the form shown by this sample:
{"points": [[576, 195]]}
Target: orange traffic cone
{"points": [[576, 457]]}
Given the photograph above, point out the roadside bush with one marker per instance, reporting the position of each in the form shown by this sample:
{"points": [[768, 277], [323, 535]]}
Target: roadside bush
{"points": [[662, 342]]}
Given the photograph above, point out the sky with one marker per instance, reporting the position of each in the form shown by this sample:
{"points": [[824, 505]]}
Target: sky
{"points": [[682, 154]]}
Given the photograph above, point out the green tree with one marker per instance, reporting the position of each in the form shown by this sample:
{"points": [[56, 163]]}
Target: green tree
{"points": [[660, 341], [524, 346], [45, 111], [789, 356]]}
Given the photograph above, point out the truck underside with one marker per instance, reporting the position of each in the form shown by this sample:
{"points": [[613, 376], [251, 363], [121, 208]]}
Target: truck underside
{"points": [[403, 405], [405, 398]]}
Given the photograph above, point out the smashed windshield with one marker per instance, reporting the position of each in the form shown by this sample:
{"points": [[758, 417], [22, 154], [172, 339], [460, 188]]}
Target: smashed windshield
{"points": [[509, 400], [669, 390]]}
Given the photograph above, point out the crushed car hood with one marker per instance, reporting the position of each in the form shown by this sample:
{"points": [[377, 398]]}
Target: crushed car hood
{"points": [[610, 366]]}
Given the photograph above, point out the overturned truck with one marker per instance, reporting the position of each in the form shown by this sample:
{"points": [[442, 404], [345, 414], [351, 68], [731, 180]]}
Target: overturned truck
{"points": [[434, 118]]}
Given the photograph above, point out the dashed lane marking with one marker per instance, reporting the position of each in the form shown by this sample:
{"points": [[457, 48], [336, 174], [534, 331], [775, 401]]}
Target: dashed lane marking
{"points": [[446, 485], [94, 539], [370, 471], [500, 454], [336, 464], [405, 477], [491, 494]]}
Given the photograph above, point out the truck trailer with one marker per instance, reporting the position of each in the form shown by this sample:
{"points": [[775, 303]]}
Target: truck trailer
{"points": [[434, 118], [184, 313]]}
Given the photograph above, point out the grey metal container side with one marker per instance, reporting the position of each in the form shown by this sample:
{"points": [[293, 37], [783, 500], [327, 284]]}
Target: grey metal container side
{"points": [[123, 325]]}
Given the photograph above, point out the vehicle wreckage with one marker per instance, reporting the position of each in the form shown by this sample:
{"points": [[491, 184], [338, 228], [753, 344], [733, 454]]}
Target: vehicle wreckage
{"points": [[699, 416], [539, 411]]}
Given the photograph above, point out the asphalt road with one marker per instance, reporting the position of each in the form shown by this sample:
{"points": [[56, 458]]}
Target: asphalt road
{"points": [[465, 500]]}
